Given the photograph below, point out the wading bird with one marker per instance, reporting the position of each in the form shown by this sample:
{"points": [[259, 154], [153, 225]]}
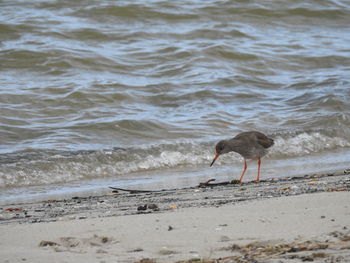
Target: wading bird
{"points": [[250, 145]]}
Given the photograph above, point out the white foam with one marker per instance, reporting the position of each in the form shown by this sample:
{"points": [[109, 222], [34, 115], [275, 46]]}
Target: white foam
{"points": [[50, 169], [305, 143]]}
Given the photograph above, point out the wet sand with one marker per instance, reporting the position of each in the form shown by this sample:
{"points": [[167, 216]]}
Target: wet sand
{"points": [[290, 220]]}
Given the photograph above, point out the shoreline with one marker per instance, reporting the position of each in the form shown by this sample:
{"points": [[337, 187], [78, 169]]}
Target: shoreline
{"points": [[127, 202], [223, 221]]}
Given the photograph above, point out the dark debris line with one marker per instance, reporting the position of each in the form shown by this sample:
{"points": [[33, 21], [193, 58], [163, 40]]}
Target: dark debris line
{"points": [[131, 202]]}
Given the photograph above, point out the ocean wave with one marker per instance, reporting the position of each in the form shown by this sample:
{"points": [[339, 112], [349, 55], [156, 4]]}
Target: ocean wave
{"points": [[166, 85], [47, 167]]}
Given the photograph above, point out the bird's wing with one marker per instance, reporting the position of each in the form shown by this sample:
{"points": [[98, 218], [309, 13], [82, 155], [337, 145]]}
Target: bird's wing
{"points": [[264, 141], [259, 137]]}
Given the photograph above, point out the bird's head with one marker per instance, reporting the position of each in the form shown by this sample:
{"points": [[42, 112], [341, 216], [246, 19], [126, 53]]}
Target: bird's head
{"points": [[220, 149]]}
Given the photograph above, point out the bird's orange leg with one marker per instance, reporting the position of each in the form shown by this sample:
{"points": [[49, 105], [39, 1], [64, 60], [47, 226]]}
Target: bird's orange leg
{"points": [[245, 168], [258, 178]]}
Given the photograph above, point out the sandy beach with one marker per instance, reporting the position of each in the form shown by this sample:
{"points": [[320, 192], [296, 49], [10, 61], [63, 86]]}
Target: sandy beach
{"points": [[282, 220], [114, 112]]}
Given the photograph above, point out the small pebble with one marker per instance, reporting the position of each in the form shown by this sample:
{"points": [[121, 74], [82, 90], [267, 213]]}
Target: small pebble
{"points": [[142, 208], [104, 239], [153, 207], [137, 250], [45, 243]]}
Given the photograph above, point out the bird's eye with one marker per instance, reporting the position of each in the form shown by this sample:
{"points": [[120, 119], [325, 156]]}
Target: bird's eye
{"points": [[219, 148]]}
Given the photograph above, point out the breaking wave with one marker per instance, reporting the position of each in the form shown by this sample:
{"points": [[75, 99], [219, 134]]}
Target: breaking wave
{"points": [[48, 167]]}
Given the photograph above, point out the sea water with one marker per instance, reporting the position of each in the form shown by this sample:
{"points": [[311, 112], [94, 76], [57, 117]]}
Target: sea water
{"points": [[137, 93]]}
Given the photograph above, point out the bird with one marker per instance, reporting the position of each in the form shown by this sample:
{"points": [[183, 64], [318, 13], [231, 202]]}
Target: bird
{"points": [[250, 145]]}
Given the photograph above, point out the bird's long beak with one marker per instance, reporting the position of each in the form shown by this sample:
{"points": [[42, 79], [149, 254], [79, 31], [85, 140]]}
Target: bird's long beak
{"points": [[215, 157]]}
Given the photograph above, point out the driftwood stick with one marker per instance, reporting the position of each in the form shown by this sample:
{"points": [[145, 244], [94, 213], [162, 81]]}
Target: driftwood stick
{"points": [[133, 191], [207, 183]]}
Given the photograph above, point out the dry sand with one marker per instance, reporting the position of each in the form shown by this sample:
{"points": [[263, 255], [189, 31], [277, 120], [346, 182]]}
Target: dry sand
{"points": [[288, 220]]}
